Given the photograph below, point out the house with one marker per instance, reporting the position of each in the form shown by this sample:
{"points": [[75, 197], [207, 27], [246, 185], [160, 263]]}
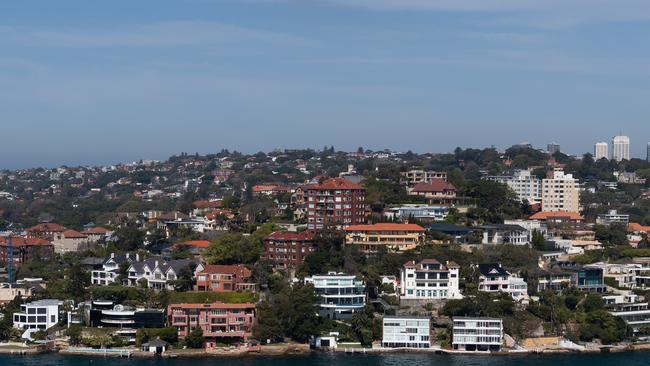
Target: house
{"points": [[623, 274], [612, 217], [218, 321], [224, 278], [385, 236], [203, 206], [37, 315], [157, 346], [96, 234], [194, 247], [70, 241], [10, 291], [340, 295], [429, 280], [335, 202], [284, 249], [413, 177], [438, 191], [505, 234], [46, 230], [108, 314], [494, 278], [455, 233], [425, 213], [554, 278], [477, 334], [157, 273], [268, 190], [590, 278], [406, 332], [110, 269], [24, 249]]}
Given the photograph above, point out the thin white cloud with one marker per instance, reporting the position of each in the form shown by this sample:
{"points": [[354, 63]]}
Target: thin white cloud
{"points": [[179, 33]]}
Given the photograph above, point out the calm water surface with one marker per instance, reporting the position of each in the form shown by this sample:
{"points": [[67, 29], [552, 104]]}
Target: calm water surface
{"points": [[626, 359]]}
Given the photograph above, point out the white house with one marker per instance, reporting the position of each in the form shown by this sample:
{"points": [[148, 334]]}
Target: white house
{"points": [[477, 334], [158, 273], [110, 269], [37, 315], [406, 332], [429, 280], [494, 278], [341, 295]]}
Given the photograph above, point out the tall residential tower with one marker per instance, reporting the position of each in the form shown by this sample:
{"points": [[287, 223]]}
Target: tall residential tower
{"points": [[601, 151], [621, 148]]}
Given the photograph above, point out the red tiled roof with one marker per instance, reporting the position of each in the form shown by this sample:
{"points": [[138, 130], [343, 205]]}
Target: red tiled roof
{"points": [[636, 227], [95, 231], [335, 183], [286, 235], [269, 187], [195, 243], [544, 215], [386, 227], [46, 228], [23, 240], [73, 234], [236, 269], [436, 185]]}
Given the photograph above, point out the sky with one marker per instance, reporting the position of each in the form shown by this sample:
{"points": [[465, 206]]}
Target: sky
{"points": [[100, 82]]}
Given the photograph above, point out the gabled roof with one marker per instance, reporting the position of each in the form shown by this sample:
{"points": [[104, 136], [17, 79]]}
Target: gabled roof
{"points": [[335, 183], [73, 234], [386, 227], [163, 265], [98, 230], [636, 227], [238, 270], [46, 228], [436, 185], [492, 269]]}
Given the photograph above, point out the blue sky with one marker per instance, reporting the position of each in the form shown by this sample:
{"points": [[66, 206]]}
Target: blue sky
{"points": [[86, 82]]}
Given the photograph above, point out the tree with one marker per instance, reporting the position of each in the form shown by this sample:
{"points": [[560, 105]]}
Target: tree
{"points": [[302, 319], [365, 326], [77, 279], [185, 279], [268, 326], [538, 240], [74, 334], [195, 338], [129, 237]]}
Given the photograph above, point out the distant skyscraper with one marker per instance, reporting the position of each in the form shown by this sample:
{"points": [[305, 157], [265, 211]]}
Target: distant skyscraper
{"points": [[647, 156], [552, 148], [621, 148], [600, 151]]}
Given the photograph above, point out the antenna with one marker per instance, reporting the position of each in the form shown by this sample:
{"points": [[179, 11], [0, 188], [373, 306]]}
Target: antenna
{"points": [[10, 259]]}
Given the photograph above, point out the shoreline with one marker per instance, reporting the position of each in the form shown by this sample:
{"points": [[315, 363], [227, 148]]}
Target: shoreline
{"points": [[304, 350]]}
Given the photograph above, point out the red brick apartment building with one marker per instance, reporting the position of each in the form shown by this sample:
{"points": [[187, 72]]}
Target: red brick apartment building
{"points": [[336, 202], [286, 249], [224, 278], [218, 321], [25, 248]]}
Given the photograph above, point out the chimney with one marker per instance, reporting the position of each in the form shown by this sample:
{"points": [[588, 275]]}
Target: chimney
{"points": [[156, 265], [128, 256], [137, 257], [112, 255]]}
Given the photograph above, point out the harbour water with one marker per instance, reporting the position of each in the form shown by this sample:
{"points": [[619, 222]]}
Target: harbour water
{"points": [[627, 359]]}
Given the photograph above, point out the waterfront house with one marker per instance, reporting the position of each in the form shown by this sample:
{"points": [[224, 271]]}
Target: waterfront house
{"points": [[477, 334], [406, 332], [340, 295], [218, 321], [429, 280]]}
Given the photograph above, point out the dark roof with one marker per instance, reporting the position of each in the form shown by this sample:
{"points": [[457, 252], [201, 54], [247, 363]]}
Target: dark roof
{"points": [[503, 227], [490, 269], [436, 185], [156, 343], [450, 228], [164, 265]]}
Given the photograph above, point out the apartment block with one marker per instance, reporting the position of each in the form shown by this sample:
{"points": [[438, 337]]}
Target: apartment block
{"points": [[335, 202], [217, 320], [560, 192], [406, 332], [386, 236], [477, 334], [286, 249]]}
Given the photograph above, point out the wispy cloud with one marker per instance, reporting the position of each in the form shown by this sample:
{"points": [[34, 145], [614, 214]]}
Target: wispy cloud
{"points": [[178, 33]]}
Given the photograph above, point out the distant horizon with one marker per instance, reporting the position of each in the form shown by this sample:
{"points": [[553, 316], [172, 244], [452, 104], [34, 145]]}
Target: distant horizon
{"points": [[266, 151]]}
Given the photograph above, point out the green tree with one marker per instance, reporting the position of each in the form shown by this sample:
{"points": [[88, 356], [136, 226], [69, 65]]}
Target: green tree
{"points": [[74, 334], [195, 338]]}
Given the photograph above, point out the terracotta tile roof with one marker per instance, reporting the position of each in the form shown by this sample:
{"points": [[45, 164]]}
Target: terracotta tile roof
{"points": [[436, 185], [23, 241], [46, 228], [73, 234], [334, 183], [95, 231], [636, 227], [195, 243], [287, 235], [544, 215], [239, 270], [386, 227]]}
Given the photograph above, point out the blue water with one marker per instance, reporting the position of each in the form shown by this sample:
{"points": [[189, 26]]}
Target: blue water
{"points": [[623, 359]]}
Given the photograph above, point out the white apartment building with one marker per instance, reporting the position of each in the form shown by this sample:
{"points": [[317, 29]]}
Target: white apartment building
{"points": [[620, 148], [110, 269], [341, 295], [601, 151], [612, 217], [477, 334], [37, 315], [429, 280], [527, 186], [416, 176], [560, 193], [624, 274], [530, 226], [494, 278], [406, 332]]}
